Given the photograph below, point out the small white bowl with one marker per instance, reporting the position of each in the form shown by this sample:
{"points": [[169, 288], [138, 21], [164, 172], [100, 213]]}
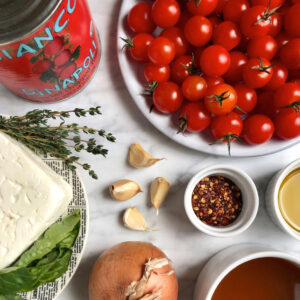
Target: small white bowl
{"points": [[272, 201], [249, 197], [225, 261]]}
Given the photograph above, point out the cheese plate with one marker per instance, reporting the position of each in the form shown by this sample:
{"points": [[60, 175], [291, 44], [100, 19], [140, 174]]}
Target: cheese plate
{"points": [[79, 201]]}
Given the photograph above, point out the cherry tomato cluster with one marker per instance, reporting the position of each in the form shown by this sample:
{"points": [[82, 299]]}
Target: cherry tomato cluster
{"points": [[232, 66]]}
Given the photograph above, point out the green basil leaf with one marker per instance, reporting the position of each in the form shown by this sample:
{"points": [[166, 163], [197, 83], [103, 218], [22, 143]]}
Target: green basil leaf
{"points": [[27, 279], [49, 240], [47, 260], [14, 280]]}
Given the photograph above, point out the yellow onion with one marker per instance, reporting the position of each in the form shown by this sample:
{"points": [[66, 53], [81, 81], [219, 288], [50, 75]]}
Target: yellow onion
{"points": [[133, 271]]}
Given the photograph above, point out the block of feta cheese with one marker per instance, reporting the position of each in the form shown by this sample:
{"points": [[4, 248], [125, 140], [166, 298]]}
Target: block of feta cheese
{"points": [[32, 197]]}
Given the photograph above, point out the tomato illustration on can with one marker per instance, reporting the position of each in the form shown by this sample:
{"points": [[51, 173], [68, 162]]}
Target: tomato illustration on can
{"points": [[56, 53]]}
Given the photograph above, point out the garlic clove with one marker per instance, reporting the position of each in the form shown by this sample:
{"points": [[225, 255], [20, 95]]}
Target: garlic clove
{"points": [[123, 190], [134, 220], [139, 158], [159, 191]]}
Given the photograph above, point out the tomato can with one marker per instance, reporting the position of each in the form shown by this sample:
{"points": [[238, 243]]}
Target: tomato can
{"points": [[49, 49]]}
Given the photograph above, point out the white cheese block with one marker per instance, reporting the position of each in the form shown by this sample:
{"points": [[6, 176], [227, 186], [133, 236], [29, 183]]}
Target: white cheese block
{"points": [[32, 197]]}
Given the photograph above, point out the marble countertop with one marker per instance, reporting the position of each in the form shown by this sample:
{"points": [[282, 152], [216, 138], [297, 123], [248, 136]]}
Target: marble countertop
{"points": [[188, 248]]}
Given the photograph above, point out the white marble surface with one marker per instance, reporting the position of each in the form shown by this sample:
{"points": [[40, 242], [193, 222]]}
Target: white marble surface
{"points": [[188, 248]]}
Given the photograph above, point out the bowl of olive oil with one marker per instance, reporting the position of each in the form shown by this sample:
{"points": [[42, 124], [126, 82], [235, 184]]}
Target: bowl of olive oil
{"points": [[283, 199], [249, 271]]}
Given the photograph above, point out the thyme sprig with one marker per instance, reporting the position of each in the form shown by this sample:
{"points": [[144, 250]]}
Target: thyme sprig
{"points": [[35, 132]]}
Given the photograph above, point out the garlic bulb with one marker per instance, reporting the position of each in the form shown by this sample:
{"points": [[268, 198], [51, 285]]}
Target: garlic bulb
{"points": [[123, 190], [134, 220], [139, 158], [159, 190]]}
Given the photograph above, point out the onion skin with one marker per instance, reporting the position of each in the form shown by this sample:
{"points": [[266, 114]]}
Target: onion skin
{"points": [[119, 266]]}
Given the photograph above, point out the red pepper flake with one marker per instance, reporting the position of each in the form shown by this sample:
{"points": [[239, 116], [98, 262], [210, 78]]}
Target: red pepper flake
{"points": [[217, 201]]}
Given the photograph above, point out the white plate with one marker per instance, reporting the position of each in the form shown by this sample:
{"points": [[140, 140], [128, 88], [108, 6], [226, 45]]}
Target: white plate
{"points": [[133, 76], [52, 290]]}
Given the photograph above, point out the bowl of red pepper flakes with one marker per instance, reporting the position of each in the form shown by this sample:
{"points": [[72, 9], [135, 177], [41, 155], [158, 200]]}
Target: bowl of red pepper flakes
{"points": [[221, 201]]}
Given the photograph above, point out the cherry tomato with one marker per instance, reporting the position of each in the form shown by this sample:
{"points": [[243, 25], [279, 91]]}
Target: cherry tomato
{"points": [[140, 19], [175, 35], [227, 34], [139, 45], [265, 104], [276, 24], [165, 13], [282, 39], [264, 46], [193, 117], [161, 51], [291, 21], [287, 124], [257, 72], [203, 9], [288, 94], [198, 31], [234, 9], [220, 99], [234, 73], [258, 129], [246, 98], [290, 54], [179, 68], [194, 88], [214, 61], [255, 22], [212, 81], [157, 73], [279, 77], [273, 3], [167, 97], [226, 127]]}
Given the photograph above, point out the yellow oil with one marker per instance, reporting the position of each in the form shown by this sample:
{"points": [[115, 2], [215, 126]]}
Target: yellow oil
{"points": [[289, 199]]}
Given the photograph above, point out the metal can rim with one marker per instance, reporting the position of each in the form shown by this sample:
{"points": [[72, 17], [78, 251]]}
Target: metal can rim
{"points": [[22, 36]]}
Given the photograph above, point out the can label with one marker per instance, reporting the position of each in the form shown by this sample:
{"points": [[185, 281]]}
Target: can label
{"points": [[57, 60]]}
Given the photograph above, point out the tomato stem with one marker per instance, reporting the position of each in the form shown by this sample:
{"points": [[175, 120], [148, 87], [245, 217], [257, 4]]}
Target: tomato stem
{"points": [[261, 67], [151, 108], [149, 88], [295, 106], [193, 70], [229, 138], [220, 98], [241, 110], [128, 43], [267, 14], [197, 2], [182, 122]]}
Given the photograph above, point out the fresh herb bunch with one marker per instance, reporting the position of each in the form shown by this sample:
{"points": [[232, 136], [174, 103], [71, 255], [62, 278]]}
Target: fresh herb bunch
{"points": [[34, 131]]}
